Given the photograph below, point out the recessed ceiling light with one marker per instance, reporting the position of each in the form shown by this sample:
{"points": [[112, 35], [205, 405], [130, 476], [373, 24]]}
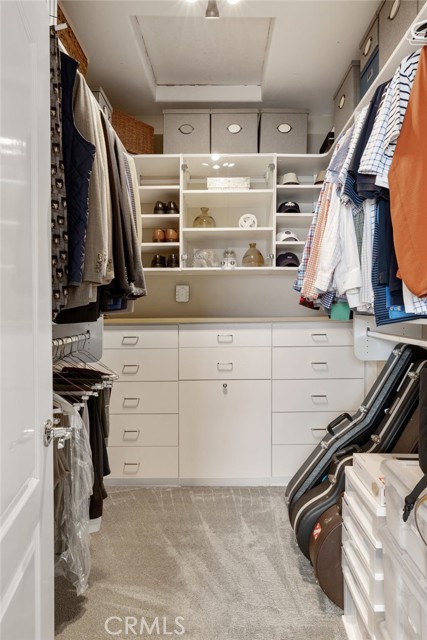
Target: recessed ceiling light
{"points": [[232, 1], [215, 157], [225, 164], [232, 164], [191, 1], [216, 166]]}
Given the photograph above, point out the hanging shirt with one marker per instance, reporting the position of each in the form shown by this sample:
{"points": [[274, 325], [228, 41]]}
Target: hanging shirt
{"points": [[408, 187]]}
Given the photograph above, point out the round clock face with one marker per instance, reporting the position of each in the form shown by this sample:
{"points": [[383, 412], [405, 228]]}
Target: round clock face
{"points": [[248, 221]]}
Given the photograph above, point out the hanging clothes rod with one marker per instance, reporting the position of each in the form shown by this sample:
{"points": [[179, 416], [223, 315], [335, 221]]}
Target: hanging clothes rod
{"points": [[391, 338], [81, 337]]}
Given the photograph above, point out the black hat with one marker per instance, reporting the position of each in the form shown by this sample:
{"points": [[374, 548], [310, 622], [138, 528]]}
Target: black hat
{"points": [[287, 259], [288, 207]]}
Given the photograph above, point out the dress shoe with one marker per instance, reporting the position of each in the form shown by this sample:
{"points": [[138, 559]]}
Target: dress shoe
{"points": [[159, 207], [158, 235], [172, 207], [171, 235], [172, 261], [158, 261]]}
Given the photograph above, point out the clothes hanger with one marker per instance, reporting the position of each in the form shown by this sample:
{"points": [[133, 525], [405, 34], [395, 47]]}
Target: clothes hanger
{"points": [[417, 34]]}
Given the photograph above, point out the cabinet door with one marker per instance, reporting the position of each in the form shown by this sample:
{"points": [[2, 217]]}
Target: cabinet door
{"points": [[225, 429]]}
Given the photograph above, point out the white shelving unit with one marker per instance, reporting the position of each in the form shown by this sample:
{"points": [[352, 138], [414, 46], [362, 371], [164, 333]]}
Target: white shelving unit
{"points": [[183, 179]]}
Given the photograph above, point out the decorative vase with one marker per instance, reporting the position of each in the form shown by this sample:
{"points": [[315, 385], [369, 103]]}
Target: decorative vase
{"points": [[253, 257], [204, 219]]}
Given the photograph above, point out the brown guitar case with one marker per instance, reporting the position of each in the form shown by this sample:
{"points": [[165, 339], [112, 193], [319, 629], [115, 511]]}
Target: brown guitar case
{"points": [[325, 553]]}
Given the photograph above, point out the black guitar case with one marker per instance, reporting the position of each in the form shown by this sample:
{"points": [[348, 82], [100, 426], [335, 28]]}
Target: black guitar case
{"points": [[308, 509], [356, 429]]}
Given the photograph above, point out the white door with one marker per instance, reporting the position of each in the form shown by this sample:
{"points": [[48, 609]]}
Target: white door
{"points": [[26, 524]]}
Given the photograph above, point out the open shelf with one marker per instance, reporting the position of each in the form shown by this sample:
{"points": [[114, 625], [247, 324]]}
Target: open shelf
{"points": [[227, 233]]}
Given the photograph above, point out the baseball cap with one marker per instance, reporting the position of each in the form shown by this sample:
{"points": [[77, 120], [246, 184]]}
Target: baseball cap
{"points": [[289, 207], [320, 177], [289, 178], [287, 259], [284, 235]]}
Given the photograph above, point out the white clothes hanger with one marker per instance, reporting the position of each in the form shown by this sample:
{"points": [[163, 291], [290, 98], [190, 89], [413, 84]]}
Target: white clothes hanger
{"points": [[417, 34]]}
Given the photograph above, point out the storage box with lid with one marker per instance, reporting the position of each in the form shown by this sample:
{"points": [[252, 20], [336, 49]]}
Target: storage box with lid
{"points": [[395, 17], [283, 131], [369, 57], [405, 593], [401, 476], [104, 103], [186, 131], [347, 96], [234, 131]]}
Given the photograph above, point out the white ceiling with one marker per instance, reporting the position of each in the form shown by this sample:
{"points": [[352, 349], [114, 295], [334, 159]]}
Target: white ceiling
{"points": [[151, 55]]}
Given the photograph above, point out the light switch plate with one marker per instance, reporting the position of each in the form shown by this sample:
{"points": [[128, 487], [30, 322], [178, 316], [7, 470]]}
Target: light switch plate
{"points": [[182, 292]]}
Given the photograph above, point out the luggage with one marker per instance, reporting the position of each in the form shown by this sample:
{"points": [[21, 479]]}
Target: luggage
{"points": [[355, 429], [308, 509], [325, 553]]}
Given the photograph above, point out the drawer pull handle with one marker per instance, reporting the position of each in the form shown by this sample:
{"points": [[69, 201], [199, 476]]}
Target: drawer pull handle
{"points": [[224, 366], [319, 398], [317, 431], [131, 403], [394, 9], [131, 464], [132, 431], [227, 338], [130, 369], [320, 365], [320, 337], [130, 340]]}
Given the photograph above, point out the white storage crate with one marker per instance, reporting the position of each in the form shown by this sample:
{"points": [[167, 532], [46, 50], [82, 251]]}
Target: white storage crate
{"points": [[401, 476], [371, 585], [369, 549], [369, 513], [405, 594], [360, 620]]}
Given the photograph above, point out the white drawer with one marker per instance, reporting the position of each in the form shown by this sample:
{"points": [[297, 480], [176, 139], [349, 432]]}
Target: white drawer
{"points": [[149, 430], [293, 363], [137, 337], [143, 364], [287, 459], [317, 395], [244, 363], [144, 397], [143, 462], [225, 335], [301, 428], [312, 334]]}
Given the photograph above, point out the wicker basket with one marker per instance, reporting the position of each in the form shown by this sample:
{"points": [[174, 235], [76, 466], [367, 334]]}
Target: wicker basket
{"points": [[137, 137], [71, 43]]}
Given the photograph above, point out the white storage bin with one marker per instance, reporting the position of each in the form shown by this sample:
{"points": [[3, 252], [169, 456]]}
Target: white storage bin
{"points": [[234, 132], [186, 131], [359, 616], [371, 585], [369, 549], [401, 476], [363, 505], [405, 594], [283, 132], [347, 96]]}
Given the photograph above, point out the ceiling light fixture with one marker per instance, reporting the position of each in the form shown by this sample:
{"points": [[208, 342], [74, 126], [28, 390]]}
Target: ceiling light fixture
{"points": [[212, 11], [230, 1]]}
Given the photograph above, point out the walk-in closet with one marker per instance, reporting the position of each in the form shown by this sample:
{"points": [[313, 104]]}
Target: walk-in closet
{"points": [[213, 341]]}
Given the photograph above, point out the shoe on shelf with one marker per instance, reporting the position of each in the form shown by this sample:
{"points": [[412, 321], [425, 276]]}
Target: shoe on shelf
{"points": [[172, 207], [159, 207]]}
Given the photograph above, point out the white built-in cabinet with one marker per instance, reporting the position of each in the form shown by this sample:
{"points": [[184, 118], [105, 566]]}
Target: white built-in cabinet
{"points": [[183, 179], [226, 403]]}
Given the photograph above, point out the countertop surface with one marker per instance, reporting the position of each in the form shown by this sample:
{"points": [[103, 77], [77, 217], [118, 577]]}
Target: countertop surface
{"points": [[143, 321]]}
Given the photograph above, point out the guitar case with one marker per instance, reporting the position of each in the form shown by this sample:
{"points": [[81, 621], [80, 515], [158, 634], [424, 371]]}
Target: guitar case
{"points": [[356, 429], [325, 553], [308, 509]]}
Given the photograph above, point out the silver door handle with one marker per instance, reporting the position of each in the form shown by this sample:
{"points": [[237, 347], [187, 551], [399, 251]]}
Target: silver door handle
{"points": [[130, 340], [56, 433], [320, 365], [319, 399], [131, 403], [225, 338], [317, 431], [224, 366], [130, 369]]}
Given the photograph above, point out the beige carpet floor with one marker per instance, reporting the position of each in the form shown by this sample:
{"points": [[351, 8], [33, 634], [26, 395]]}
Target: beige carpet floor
{"points": [[221, 560]]}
